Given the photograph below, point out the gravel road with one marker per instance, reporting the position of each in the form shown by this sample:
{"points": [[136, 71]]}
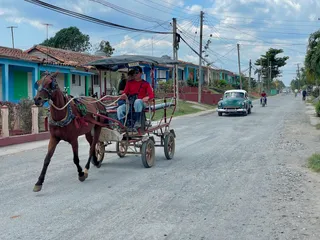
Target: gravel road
{"points": [[232, 178]]}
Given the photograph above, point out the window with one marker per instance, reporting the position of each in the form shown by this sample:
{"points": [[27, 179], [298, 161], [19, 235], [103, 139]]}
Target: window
{"points": [[96, 80], [76, 80]]}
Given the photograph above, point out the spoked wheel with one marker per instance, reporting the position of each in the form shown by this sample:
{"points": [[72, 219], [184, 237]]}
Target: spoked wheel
{"points": [[169, 146], [100, 151], [148, 153], [122, 148]]}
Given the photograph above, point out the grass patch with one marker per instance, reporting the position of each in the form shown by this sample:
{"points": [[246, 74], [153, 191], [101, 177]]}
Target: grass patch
{"points": [[314, 162], [184, 108]]}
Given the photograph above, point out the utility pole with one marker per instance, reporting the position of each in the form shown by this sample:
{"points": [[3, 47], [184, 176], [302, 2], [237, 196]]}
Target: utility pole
{"points": [[238, 46], [249, 82], [261, 72], [298, 73], [200, 58], [47, 25], [12, 37], [269, 77], [152, 45], [175, 72]]}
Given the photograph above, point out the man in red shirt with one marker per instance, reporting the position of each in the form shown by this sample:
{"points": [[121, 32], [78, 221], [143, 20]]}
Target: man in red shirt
{"points": [[140, 92], [263, 95]]}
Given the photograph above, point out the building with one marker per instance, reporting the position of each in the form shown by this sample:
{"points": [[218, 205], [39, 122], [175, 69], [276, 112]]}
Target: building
{"points": [[18, 73]]}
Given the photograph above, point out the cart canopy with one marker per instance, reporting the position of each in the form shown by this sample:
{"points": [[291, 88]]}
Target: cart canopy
{"points": [[127, 61]]}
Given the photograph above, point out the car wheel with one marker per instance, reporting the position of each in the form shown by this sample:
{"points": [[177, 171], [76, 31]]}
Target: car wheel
{"points": [[220, 114], [249, 110]]}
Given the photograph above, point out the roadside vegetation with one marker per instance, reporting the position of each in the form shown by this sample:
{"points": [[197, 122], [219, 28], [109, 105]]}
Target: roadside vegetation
{"points": [[314, 162], [184, 108]]}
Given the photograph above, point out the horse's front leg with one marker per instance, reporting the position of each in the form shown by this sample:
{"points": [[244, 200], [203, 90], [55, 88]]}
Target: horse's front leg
{"points": [[90, 140], [75, 149], [51, 148]]}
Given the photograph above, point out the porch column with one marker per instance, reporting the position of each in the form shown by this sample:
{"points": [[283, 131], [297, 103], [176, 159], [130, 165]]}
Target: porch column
{"points": [[186, 73], [86, 85], [5, 82], [35, 78]]}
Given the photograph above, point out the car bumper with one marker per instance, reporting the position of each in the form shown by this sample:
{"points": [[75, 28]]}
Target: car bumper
{"points": [[231, 110]]}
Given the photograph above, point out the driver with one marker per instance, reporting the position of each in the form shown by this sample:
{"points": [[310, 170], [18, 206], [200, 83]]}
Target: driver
{"points": [[139, 93], [263, 94]]}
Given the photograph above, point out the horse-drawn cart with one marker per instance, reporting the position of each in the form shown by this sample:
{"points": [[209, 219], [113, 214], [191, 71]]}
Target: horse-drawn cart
{"points": [[151, 134]]}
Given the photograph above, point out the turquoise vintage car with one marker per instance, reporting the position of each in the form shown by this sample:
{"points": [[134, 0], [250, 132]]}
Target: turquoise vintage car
{"points": [[235, 101]]}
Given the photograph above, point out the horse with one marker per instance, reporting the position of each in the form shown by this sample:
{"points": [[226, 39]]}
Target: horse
{"points": [[68, 119]]}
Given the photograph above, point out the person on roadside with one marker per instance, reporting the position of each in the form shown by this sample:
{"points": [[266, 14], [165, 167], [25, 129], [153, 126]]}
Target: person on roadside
{"points": [[139, 93], [263, 95], [304, 94]]}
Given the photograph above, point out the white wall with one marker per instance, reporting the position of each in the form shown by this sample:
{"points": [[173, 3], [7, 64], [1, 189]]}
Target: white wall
{"points": [[1, 98], [60, 81], [78, 88]]}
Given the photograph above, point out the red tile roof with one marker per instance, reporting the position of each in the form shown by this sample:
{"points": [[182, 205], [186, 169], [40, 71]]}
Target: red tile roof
{"points": [[14, 53], [65, 57]]}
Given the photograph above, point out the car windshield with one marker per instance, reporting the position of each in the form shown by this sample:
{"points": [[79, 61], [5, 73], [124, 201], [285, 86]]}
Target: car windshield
{"points": [[234, 95]]}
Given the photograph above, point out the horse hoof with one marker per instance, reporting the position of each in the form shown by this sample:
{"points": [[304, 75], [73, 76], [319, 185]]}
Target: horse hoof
{"points": [[98, 165], [82, 178], [37, 188]]}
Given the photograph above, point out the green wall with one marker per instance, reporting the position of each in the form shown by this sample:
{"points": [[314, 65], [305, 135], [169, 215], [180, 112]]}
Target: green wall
{"points": [[20, 85]]}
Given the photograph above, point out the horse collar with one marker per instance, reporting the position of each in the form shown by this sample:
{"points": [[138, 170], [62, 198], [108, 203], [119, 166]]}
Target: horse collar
{"points": [[65, 121]]}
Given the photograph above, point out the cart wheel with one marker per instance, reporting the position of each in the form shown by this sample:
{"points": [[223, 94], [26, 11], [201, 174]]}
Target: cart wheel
{"points": [[121, 148], [148, 153], [169, 146], [100, 150]]}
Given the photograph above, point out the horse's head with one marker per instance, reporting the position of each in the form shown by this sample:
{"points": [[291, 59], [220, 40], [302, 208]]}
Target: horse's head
{"points": [[45, 87]]}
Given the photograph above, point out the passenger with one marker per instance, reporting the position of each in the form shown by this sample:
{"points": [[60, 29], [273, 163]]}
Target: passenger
{"points": [[122, 84], [139, 92]]}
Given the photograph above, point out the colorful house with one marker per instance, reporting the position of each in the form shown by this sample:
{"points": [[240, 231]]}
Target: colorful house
{"points": [[73, 74], [18, 72]]}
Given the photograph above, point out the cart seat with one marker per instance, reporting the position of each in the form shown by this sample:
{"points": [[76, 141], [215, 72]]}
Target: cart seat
{"points": [[113, 109]]}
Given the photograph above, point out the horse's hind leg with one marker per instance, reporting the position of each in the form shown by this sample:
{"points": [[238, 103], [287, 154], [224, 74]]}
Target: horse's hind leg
{"points": [[92, 154], [75, 149], [51, 148]]}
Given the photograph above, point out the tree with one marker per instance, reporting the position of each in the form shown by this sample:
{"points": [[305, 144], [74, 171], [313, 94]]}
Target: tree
{"points": [[312, 59], [270, 58], [69, 39], [105, 47]]}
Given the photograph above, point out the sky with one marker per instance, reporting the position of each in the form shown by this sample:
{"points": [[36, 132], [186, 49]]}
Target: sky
{"points": [[256, 25]]}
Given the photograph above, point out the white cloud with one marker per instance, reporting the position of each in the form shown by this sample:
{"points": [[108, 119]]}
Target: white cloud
{"points": [[194, 9]]}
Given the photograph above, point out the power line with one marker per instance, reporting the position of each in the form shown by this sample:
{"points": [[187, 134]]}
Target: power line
{"points": [[127, 12], [90, 19]]}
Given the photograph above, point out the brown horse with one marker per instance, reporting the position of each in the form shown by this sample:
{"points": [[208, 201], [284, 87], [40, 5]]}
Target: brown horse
{"points": [[68, 122]]}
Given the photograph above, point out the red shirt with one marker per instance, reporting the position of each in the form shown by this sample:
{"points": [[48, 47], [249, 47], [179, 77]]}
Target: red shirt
{"points": [[133, 86], [263, 94]]}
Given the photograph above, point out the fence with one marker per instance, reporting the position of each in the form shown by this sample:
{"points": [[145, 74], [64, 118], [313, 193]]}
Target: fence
{"points": [[14, 125]]}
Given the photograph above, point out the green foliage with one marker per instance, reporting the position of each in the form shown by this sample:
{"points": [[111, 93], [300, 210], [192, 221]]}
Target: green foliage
{"points": [[166, 87], [25, 114], [69, 39], [314, 162], [192, 83], [270, 58], [317, 108], [315, 93], [312, 59], [12, 116], [105, 47]]}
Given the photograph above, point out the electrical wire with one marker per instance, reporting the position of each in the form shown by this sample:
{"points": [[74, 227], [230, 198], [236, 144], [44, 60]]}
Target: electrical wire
{"points": [[90, 19]]}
